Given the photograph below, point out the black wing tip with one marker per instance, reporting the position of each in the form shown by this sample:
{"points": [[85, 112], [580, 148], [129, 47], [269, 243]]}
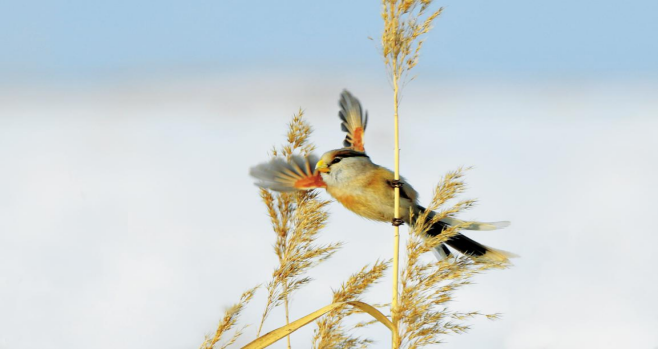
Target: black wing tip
{"points": [[341, 115], [446, 250], [344, 128]]}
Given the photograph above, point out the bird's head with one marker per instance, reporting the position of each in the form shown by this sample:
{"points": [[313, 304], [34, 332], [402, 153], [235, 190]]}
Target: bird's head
{"points": [[340, 161]]}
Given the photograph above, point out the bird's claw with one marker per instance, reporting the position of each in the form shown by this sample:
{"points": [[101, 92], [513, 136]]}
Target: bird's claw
{"points": [[396, 183], [397, 222]]}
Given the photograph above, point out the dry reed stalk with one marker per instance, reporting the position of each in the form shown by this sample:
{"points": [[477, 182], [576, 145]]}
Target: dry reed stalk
{"points": [[405, 21], [273, 336], [296, 219]]}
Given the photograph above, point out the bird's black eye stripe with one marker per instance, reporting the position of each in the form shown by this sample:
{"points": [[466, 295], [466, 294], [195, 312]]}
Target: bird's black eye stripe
{"points": [[336, 160]]}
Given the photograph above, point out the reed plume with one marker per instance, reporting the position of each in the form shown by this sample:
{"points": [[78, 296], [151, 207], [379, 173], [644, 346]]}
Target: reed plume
{"points": [[330, 332], [405, 23], [230, 319], [296, 218]]}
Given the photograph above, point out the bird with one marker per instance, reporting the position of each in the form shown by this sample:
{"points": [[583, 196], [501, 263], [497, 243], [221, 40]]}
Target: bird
{"points": [[367, 189]]}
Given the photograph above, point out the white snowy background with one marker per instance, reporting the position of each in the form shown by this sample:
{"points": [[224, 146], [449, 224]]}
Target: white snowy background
{"points": [[129, 220]]}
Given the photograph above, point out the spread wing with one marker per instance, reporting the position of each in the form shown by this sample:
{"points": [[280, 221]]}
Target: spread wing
{"points": [[354, 121], [281, 175]]}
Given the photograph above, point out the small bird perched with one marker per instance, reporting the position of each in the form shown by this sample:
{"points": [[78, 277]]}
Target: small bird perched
{"points": [[365, 188]]}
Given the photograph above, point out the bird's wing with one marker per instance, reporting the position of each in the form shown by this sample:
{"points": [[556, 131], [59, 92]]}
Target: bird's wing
{"points": [[280, 175], [354, 121], [406, 190]]}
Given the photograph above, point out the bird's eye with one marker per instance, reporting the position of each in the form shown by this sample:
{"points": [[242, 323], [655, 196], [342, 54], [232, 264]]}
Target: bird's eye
{"points": [[336, 160]]}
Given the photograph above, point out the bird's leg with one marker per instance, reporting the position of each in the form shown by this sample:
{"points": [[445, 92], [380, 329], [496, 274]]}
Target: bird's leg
{"points": [[397, 222]]}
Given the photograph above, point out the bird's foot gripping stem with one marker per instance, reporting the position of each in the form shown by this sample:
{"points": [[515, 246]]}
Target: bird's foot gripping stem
{"points": [[396, 183], [397, 222]]}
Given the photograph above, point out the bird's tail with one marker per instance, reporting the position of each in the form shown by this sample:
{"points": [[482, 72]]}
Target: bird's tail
{"points": [[467, 246]]}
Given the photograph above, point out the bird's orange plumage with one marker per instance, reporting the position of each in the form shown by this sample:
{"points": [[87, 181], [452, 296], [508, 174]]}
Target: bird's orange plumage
{"points": [[310, 182], [357, 142]]}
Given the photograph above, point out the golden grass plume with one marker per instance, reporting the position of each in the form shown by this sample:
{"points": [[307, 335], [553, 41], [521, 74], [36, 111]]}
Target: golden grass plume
{"points": [[405, 22], [330, 332], [230, 319]]}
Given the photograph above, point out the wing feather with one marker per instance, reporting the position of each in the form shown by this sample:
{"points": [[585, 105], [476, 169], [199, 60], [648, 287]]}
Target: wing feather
{"points": [[354, 121], [281, 175]]}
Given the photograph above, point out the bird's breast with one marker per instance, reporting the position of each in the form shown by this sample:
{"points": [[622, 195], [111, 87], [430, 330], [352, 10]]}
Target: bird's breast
{"points": [[368, 201], [364, 205], [367, 194]]}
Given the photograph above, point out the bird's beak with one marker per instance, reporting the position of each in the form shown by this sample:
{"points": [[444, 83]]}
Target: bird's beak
{"points": [[321, 167]]}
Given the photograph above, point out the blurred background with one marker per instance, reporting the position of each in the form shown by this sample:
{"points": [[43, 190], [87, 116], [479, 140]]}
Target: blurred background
{"points": [[127, 129]]}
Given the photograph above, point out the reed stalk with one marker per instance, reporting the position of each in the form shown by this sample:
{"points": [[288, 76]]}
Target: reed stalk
{"points": [[396, 228], [405, 21]]}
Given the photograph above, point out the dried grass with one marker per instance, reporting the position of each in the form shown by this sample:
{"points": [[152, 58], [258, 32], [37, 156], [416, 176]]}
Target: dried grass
{"points": [[230, 319], [331, 333], [405, 22]]}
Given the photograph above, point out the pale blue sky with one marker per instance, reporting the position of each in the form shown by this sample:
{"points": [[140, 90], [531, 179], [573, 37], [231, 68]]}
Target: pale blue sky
{"points": [[81, 40]]}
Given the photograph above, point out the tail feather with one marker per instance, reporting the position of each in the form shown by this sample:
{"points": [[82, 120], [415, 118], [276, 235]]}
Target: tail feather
{"points": [[441, 252], [465, 245], [476, 225], [473, 248]]}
